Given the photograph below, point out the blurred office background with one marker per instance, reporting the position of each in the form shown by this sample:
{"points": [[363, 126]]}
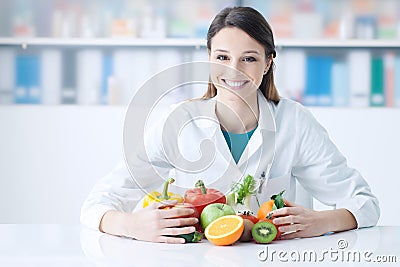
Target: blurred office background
{"points": [[68, 69], [341, 53]]}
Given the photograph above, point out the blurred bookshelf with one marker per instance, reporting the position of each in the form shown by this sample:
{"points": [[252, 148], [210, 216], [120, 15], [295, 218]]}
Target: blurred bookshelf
{"points": [[103, 42], [189, 42], [330, 53]]}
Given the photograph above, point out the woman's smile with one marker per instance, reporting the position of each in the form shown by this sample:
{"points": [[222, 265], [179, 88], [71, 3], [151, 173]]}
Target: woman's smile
{"points": [[235, 84]]}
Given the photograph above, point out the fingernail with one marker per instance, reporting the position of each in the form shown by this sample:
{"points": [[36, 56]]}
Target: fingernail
{"points": [[280, 229], [275, 221], [192, 229], [196, 220]]}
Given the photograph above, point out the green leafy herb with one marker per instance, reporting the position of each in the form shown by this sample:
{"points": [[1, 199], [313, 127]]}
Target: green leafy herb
{"points": [[278, 200], [245, 189]]}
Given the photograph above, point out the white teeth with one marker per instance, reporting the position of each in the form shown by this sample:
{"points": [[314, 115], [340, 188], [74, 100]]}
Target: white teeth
{"points": [[234, 84]]}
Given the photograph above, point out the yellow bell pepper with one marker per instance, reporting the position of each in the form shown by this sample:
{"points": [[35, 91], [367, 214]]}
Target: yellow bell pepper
{"points": [[164, 195]]}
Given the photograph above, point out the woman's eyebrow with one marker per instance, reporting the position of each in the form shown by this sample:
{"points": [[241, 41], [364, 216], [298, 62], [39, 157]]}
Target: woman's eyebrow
{"points": [[244, 52], [221, 50], [251, 52]]}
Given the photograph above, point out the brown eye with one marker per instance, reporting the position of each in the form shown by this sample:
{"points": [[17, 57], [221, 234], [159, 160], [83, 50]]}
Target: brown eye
{"points": [[249, 59], [222, 57]]}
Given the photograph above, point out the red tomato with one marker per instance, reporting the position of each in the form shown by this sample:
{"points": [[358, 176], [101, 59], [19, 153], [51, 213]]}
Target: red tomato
{"points": [[249, 216]]}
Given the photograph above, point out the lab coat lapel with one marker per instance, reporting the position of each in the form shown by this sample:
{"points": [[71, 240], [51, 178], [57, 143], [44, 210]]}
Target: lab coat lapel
{"points": [[264, 137], [207, 120]]}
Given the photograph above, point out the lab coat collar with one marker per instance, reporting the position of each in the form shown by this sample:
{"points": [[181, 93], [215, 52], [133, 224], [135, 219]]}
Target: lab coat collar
{"points": [[266, 118], [264, 134]]}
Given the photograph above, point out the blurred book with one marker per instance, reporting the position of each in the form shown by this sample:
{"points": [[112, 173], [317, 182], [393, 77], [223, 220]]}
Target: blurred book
{"points": [[311, 90], [169, 74], [131, 69], [377, 96], [7, 75], [290, 73], [199, 73], [389, 78], [340, 84], [108, 82], [68, 91], [27, 90], [397, 81], [51, 76], [359, 62], [89, 70], [318, 81]]}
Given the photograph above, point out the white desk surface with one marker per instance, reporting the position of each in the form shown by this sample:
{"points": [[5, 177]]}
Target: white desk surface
{"points": [[75, 245]]}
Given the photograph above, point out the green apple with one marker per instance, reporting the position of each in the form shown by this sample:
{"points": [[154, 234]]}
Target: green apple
{"points": [[214, 211]]}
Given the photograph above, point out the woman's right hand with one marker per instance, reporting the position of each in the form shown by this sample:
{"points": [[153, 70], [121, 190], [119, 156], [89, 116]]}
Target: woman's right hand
{"points": [[152, 223]]}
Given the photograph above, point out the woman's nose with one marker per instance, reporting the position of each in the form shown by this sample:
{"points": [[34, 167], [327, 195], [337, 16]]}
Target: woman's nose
{"points": [[234, 68]]}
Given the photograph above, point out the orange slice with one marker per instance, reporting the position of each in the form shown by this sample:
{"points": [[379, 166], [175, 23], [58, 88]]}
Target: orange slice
{"points": [[225, 230]]}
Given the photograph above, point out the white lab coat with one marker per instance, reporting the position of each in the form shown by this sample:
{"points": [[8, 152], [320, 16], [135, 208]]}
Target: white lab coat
{"points": [[289, 148]]}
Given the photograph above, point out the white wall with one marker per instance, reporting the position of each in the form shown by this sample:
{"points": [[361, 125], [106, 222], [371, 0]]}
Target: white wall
{"points": [[370, 139], [50, 156]]}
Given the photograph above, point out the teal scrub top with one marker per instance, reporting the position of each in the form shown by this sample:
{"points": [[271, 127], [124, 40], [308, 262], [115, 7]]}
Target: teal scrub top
{"points": [[237, 142]]}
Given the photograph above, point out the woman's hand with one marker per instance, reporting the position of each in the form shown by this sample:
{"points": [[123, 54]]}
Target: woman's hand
{"points": [[152, 223], [296, 221]]}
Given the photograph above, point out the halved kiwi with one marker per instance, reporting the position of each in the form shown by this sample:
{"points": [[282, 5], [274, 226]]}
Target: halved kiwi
{"points": [[264, 232]]}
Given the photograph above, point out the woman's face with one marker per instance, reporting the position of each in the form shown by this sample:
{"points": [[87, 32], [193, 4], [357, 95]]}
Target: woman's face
{"points": [[241, 63]]}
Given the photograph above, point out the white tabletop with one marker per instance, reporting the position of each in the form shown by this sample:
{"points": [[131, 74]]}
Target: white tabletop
{"points": [[74, 245]]}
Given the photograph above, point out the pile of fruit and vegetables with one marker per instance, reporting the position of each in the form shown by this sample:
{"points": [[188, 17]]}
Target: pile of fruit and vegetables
{"points": [[218, 220]]}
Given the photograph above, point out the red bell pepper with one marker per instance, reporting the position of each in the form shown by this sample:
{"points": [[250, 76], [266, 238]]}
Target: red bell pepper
{"points": [[200, 197]]}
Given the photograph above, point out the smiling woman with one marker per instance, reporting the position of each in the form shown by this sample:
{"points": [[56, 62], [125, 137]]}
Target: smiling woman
{"points": [[275, 138], [256, 45], [243, 65]]}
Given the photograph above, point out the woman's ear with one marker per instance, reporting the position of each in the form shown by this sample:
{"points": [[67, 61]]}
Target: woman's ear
{"points": [[269, 63]]}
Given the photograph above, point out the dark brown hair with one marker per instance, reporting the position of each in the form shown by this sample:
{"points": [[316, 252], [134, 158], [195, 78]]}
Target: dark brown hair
{"points": [[254, 24]]}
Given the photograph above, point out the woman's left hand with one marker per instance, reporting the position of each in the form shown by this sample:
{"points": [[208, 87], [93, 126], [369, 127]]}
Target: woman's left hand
{"points": [[296, 221]]}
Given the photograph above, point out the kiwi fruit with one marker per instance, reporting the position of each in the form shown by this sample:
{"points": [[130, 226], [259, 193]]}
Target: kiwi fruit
{"points": [[264, 232], [247, 235]]}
